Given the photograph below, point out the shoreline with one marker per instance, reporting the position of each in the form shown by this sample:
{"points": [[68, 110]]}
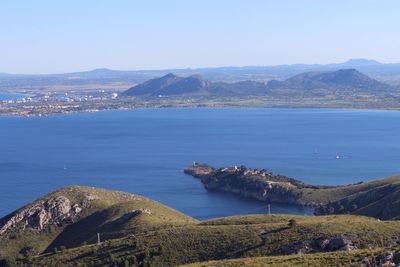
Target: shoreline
{"points": [[51, 114]]}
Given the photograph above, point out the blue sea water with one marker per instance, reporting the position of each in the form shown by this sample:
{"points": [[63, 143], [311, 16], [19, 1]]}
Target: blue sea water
{"points": [[144, 151], [11, 96]]}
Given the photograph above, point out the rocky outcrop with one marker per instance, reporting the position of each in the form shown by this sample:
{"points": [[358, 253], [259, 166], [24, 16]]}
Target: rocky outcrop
{"points": [[338, 243], [322, 244], [56, 210], [344, 243], [390, 258]]}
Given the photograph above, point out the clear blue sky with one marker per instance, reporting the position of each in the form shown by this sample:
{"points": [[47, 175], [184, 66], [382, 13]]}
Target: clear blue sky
{"points": [[48, 36]]}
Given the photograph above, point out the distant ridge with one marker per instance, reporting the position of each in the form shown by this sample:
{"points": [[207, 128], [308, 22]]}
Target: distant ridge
{"points": [[343, 79], [382, 71], [361, 62], [340, 81]]}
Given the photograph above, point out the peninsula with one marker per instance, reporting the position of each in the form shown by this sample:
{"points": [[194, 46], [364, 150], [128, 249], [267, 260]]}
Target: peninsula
{"points": [[379, 199]]}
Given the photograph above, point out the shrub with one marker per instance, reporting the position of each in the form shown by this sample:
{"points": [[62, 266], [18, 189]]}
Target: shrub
{"points": [[292, 223]]}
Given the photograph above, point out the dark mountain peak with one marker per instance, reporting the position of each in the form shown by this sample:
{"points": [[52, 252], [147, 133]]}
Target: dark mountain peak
{"points": [[169, 84], [101, 70], [333, 80], [345, 77], [169, 76], [164, 80], [329, 76]]}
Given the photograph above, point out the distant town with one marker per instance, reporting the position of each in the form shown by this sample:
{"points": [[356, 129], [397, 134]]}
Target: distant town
{"points": [[358, 84]]}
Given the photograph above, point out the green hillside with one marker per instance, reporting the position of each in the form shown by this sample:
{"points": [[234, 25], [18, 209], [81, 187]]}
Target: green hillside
{"points": [[41, 226], [340, 258], [234, 237], [136, 231]]}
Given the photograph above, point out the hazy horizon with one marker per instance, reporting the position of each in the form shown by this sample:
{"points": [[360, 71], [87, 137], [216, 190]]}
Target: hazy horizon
{"points": [[46, 37], [194, 68]]}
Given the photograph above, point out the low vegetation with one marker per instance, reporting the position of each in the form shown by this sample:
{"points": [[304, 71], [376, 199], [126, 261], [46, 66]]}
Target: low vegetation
{"points": [[340, 258], [135, 231]]}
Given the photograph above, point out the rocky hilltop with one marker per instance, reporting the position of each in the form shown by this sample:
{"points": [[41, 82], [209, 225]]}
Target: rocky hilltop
{"points": [[380, 198], [74, 215], [53, 211]]}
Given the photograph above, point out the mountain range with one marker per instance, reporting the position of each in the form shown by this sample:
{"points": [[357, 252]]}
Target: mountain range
{"points": [[381, 71], [327, 82]]}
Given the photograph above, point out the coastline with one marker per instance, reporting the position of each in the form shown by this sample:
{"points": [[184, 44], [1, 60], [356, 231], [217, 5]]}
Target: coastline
{"points": [[27, 112], [363, 198]]}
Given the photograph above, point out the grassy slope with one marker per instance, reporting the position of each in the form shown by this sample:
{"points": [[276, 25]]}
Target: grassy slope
{"points": [[100, 216], [325, 195], [169, 238], [340, 258], [231, 237], [379, 199]]}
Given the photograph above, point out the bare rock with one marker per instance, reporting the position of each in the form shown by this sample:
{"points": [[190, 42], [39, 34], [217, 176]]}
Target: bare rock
{"points": [[385, 259], [55, 210], [91, 197], [396, 257], [321, 243], [339, 243], [306, 247], [390, 258]]}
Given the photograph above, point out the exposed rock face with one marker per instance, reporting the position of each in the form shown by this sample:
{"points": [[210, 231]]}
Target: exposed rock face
{"points": [[339, 243], [55, 210], [322, 245], [391, 258]]}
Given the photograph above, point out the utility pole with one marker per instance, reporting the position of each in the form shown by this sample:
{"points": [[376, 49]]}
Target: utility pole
{"points": [[269, 209], [98, 238]]}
